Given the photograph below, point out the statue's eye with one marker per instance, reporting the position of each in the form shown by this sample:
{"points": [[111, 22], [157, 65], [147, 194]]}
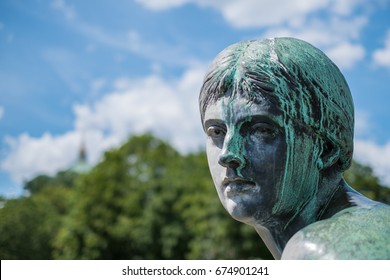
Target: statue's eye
{"points": [[215, 132], [263, 130]]}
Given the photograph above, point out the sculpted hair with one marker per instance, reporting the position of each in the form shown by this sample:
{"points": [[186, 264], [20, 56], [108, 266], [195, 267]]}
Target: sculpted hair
{"points": [[307, 86]]}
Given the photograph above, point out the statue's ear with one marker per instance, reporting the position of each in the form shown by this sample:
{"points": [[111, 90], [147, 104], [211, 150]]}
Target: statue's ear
{"points": [[329, 155]]}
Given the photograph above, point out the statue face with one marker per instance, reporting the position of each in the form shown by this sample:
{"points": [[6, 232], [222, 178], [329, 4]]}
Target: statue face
{"points": [[246, 150]]}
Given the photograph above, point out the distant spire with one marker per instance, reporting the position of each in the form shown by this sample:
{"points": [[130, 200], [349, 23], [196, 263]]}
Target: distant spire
{"points": [[82, 153], [81, 165]]}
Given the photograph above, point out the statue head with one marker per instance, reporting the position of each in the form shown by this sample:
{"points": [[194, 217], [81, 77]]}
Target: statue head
{"points": [[309, 130]]}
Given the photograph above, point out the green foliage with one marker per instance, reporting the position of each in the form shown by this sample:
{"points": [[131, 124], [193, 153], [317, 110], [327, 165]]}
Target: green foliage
{"points": [[362, 178], [18, 218], [28, 224], [144, 200], [62, 179]]}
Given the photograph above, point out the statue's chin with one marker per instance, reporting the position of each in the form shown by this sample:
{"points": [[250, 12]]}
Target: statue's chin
{"points": [[238, 211]]}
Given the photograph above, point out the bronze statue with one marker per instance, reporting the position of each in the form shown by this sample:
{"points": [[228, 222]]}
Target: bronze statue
{"points": [[279, 120]]}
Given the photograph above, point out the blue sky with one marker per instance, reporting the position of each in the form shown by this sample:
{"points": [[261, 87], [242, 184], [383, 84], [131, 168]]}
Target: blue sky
{"points": [[99, 71]]}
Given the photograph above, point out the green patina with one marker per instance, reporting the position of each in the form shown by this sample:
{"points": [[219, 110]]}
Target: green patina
{"points": [[316, 117], [312, 94], [329, 235], [235, 143]]}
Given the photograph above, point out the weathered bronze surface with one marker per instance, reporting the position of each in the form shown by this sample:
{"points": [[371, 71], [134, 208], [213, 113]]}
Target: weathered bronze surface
{"points": [[279, 120]]}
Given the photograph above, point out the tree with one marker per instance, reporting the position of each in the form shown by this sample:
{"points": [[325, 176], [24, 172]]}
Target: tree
{"points": [[109, 217], [61, 179], [28, 224], [362, 178], [146, 201]]}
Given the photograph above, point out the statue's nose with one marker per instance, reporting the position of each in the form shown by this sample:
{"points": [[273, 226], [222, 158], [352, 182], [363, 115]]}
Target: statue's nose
{"points": [[229, 159]]}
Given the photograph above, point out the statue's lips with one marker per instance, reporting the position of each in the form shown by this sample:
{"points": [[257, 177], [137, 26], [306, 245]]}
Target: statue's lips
{"points": [[237, 185]]}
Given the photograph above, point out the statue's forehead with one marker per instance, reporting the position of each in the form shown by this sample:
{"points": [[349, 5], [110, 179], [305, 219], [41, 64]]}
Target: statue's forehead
{"points": [[235, 109]]}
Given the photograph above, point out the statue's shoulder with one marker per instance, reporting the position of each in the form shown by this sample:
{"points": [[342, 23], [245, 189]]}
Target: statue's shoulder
{"points": [[354, 233]]}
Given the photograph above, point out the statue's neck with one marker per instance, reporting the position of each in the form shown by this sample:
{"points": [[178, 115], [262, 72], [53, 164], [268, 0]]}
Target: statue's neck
{"points": [[276, 235], [275, 241]]}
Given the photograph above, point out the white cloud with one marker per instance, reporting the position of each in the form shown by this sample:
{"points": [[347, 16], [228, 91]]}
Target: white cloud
{"points": [[345, 7], [334, 37], [363, 123], [345, 55], [381, 57], [367, 151], [322, 32], [169, 109], [29, 155], [248, 13], [254, 13], [375, 156], [329, 24]]}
